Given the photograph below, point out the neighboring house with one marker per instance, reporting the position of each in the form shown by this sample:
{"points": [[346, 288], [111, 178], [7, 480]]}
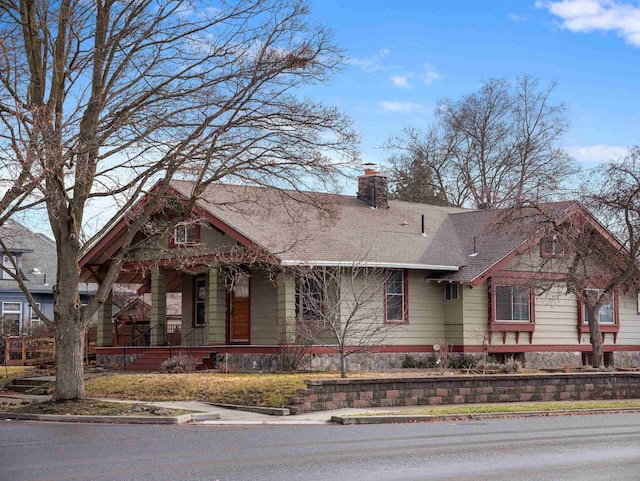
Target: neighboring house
{"points": [[450, 276], [131, 319], [35, 257], [34, 254]]}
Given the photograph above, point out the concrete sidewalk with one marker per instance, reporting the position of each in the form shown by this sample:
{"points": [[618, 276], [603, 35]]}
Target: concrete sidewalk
{"points": [[206, 413], [226, 416]]}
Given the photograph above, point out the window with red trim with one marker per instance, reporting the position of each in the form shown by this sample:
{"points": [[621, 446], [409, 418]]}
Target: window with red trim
{"points": [[185, 235], [512, 304], [309, 298], [607, 314], [200, 300], [551, 246], [396, 296]]}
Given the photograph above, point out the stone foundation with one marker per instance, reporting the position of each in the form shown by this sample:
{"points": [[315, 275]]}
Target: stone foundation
{"points": [[552, 360], [368, 361], [361, 362], [626, 359], [115, 361], [322, 395]]}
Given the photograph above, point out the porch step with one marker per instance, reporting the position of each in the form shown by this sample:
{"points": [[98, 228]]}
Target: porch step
{"points": [[30, 385], [152, 359]]}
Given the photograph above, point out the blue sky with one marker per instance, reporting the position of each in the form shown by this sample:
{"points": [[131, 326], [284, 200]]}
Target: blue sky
{"points": [[405, 55]]}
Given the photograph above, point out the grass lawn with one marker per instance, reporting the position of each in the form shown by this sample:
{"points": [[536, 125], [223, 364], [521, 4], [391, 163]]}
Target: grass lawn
{"points": [[271, 390], [10, 372], [513, 407]]}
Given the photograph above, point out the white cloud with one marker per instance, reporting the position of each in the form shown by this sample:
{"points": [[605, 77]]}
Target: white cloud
{"points": [[514, 17], [430, 74], [597, 152], [399, 107], [597, 15], [370, 64], [401, 81]]}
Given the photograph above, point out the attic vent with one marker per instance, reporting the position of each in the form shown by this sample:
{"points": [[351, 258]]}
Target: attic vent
{"points": [[35, 270], [475, 251], [404, 223]]}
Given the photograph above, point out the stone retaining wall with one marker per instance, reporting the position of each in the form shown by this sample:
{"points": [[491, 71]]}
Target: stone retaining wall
{"points": [[321, 395]]}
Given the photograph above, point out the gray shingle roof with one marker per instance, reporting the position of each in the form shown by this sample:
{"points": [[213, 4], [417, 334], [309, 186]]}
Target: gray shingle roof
{"points": [[353, 231], [38, 257]]}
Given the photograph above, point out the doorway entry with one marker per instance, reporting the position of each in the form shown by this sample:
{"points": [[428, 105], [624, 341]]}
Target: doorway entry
{"points": [[238, 309]]}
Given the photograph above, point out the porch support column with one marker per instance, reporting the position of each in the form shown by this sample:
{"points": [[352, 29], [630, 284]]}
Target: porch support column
{"points": [[286, 289], [215, 307], [158, 321], [105, 322]]}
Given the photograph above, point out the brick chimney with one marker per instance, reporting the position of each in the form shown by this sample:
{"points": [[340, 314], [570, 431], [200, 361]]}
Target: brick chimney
{"points": [[373, 189]]}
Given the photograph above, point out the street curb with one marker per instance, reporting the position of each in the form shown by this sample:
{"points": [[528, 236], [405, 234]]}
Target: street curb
{"points": [[255, 409], [414, 418], [180, 419]]}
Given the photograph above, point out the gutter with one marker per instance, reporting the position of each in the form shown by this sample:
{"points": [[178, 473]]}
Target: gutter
{"points": [[383, 265]]}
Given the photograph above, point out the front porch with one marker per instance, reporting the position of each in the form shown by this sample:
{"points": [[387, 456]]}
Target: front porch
{"points": [[222, 311]]}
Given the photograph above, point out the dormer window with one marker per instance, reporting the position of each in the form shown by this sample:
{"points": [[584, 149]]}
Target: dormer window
{"points": [[552, 247], [8, 265], [186, 235]]}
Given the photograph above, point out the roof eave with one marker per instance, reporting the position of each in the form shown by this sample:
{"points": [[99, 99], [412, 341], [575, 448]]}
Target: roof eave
{"points": [[371, 264]]}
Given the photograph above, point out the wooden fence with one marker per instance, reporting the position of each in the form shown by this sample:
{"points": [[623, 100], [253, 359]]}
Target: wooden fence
{"points": [[25, 350]]}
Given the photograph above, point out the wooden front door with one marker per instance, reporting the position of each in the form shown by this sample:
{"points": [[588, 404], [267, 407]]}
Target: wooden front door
{"points": [[239, 312]]}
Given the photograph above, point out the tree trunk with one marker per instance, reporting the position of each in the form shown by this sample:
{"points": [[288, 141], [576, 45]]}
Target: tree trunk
{"points": [[595, 335], [70, 338], [70, 326], [343, 363]]}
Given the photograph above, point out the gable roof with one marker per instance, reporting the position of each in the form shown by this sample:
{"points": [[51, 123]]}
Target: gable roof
{"points": [[289, 226], [38, 257]]}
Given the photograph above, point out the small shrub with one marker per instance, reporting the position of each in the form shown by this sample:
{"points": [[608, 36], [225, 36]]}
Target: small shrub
{"points": [[463, 362], [512, 366], [410, 362], [179, 363]]}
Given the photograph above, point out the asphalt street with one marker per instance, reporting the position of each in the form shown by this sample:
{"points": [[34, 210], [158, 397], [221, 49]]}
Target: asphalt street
{"points": [[587, 447]]}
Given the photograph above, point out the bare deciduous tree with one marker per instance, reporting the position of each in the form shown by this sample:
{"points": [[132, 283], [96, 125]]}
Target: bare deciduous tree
{"points": [[580, 254], [101, 99], [489, 149], [342, 308]]}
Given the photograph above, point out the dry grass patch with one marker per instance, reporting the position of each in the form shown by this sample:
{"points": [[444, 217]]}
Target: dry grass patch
{"points": [[11, 372], [92, 408], [272, 390]]}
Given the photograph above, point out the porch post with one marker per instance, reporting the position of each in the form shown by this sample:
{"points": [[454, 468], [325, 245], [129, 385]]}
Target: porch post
{"points": [[105, 322], [215, 307], [158, 321], [286, 289]]}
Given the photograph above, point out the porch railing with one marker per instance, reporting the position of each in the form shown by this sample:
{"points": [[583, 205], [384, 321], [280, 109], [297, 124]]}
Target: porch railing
{"points": [[193, 338], [141, 342]]}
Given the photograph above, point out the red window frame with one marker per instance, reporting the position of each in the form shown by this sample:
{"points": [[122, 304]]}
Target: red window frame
{"points": [[197, 283], [607, 327], [510, 326], [405, 297], [550, 239], [301, 292], [185, 225]]}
